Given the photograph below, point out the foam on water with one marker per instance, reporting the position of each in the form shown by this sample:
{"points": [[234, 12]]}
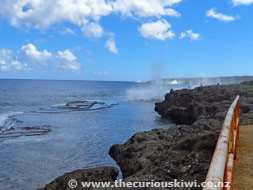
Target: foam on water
{"points": [[174, 82], [7, 121]]}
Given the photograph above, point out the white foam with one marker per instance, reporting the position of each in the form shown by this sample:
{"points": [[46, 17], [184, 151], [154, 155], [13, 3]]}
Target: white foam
{"points": [[58, 105], [174, 82], [6, 120]]}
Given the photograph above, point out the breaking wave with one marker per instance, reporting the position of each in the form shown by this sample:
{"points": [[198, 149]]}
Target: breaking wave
{"points": [[11, 128], [7, 121]]}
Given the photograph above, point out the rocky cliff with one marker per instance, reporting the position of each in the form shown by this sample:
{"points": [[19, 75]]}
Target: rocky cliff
{"points": [[182, 152]]}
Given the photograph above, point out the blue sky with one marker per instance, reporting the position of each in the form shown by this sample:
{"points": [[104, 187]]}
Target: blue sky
{"points": [[125, 39]]}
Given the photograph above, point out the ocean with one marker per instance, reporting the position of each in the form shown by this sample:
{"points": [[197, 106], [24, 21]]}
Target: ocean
{"points": [[48, 128]]}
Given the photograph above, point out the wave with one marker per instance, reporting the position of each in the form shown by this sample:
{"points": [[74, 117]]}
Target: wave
{"points": [[173, 82], [11, 128], [7, 120]]}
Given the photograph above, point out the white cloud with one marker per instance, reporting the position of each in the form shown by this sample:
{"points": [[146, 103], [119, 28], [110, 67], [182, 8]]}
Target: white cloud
{"points": [[221, 17], [242, 2], [30, 57], [41, 14], [156, 30], [146, 8], [111, 45], [67, 31], [67, 60], [190, 34], [67, 55], [92, 30], [182, 35], [8, 62], [31, 53]]}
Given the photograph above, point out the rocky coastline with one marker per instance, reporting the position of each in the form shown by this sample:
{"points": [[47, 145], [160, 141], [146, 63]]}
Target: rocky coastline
{"points": [[182, 152]]}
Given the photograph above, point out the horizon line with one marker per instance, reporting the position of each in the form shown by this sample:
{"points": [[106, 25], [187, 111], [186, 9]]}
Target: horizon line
{"points": [[170, 78]]}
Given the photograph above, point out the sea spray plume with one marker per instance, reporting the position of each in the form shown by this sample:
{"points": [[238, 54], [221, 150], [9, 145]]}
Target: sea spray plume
{"points": [[150, 91], [157, 69], [214, 81], [203, 82]]}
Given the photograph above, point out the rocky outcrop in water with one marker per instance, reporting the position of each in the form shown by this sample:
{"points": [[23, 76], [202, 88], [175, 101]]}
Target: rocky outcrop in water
{"points": [[79, 105], [82, 104]]}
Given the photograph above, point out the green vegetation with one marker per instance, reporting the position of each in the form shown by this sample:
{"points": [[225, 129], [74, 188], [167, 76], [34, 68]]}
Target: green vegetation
{"points": [[234, 84], [250, 83]]}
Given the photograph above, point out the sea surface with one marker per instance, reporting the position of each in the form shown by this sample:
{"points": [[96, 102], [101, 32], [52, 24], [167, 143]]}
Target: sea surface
{"points": [[42, 137]]}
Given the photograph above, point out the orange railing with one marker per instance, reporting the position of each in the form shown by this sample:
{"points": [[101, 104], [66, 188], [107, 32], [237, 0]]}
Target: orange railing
{"points": [[221, 169]]}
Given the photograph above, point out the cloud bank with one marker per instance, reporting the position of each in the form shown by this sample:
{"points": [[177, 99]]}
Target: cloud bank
{"points": [[29, 56], [8, 62], [146, 8], [242, 2], [86, 14]]}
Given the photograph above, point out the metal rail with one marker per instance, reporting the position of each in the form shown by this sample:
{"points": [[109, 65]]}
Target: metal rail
{"points": [[221, 168]]}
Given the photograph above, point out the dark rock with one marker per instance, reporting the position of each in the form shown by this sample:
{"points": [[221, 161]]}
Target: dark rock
{"points": [[102, 174], [184, 107], [245, 108], [180, 152], [81, 103]]}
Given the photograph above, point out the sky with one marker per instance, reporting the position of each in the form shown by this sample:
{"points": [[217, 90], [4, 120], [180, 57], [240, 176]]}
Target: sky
{"points": [[125, 40]]}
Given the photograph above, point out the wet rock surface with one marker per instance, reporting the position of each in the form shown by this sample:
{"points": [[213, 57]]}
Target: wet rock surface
{"points": [[102, 174]]}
